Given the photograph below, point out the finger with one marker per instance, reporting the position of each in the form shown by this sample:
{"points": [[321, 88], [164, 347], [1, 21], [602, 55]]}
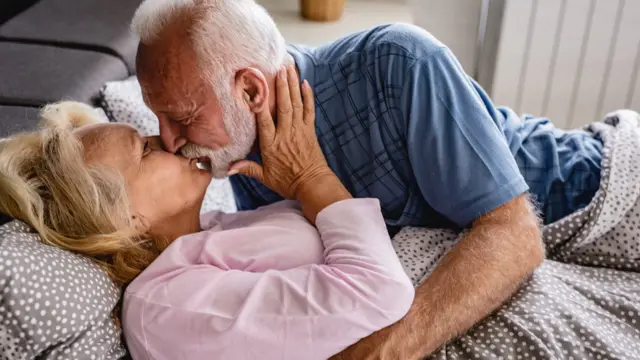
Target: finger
{"points": [[294, 91], [265, 126], [247, 168], [283, 101], [308, 103]]}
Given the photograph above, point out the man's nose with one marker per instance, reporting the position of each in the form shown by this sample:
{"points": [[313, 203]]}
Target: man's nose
{"points": [[171, 136]]}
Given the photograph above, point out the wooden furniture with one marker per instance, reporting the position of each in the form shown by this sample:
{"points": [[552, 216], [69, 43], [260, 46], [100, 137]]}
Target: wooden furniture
{"points": [[322, 10]]}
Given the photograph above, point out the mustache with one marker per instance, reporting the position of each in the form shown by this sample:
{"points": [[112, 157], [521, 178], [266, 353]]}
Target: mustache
{"points": [[191, 150]]}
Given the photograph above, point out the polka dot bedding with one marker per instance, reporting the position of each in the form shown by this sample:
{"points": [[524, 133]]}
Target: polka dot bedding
{"points": [[53, 304], [583, 303], [122, 102]]}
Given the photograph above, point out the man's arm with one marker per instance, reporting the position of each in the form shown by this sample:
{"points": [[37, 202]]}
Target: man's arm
{"points": [[472, 280], [465, 170]]}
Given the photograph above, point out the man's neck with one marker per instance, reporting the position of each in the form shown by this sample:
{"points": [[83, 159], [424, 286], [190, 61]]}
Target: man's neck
{"points": [[255, 150]]}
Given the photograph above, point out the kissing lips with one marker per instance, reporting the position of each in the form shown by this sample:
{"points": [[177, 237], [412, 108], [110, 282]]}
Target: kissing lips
{"points": [[203, 163]]}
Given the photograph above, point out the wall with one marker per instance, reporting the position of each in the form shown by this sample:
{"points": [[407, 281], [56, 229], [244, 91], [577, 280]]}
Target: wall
{"points": [[571, 60], [358, 15], [454, 22]]}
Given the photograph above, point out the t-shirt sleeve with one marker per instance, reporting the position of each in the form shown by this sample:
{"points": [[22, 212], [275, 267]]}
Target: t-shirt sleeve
{"points": [[459, 155], [245, 195], [249, 193]]}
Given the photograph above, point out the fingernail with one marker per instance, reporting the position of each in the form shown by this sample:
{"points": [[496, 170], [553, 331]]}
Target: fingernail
{"points": [[232, 172], [305, 83], [283, 73]]}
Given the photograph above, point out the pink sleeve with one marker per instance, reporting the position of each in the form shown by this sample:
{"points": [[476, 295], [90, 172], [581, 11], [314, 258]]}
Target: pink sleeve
{"points": [[311, 312]]}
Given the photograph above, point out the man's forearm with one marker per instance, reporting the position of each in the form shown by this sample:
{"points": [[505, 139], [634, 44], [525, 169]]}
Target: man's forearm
{"points": [[472, 280]]}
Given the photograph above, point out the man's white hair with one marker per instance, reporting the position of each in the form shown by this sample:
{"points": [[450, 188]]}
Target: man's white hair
{"points": [[227, 35]]}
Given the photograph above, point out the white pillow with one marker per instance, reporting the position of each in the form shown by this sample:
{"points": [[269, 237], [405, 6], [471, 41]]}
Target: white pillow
{"points": [[122, 102]]}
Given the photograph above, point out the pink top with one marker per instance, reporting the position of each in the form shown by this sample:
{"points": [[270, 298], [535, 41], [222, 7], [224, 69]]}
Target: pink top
{"points": [[266, 284]]}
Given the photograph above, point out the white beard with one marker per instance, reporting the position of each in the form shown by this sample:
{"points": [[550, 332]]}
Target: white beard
{"points": [[240, 126]]}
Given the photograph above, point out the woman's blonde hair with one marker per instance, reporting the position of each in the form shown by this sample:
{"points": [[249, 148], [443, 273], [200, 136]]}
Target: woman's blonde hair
{"points": [[45, 183]]}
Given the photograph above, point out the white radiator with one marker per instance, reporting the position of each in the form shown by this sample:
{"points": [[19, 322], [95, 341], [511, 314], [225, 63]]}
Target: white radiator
{"points": [[570, 60]]}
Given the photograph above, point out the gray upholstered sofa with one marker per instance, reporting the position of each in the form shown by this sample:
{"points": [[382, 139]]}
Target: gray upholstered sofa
{"points": [[60, 50]]}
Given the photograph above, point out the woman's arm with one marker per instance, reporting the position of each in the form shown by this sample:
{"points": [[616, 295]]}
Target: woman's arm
{"points": [[311, 312]]}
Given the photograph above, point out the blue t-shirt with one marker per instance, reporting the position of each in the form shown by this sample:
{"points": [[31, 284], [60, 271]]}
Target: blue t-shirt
{"points": [[398, 119]]}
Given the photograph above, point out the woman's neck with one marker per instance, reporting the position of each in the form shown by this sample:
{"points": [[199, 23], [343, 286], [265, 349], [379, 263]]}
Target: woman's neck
{"points": [[169, 229]]}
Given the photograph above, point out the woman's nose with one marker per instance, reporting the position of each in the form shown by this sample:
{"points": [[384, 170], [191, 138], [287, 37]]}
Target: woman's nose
{"points": [[170, 136]]}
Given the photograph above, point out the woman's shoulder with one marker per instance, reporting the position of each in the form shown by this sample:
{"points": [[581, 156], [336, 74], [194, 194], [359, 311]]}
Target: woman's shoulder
{"points": [[236, 241], [217, 219]]}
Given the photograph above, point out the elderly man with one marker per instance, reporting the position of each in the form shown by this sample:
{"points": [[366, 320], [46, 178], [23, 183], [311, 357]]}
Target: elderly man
{"points": [[397, 119]]}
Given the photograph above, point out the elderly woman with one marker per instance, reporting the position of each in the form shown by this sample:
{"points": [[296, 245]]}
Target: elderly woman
{"points": [[296, 280]]}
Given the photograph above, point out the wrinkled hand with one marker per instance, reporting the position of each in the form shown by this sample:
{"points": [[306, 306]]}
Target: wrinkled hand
{"points": [[290, 151]]}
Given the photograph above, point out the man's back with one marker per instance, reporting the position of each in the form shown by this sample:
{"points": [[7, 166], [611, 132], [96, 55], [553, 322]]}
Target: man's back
{"points": [[399, 120]]}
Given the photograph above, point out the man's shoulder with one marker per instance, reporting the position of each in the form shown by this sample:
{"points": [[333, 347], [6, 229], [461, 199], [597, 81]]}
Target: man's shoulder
{"points": [[411, 40], [399, 39]]}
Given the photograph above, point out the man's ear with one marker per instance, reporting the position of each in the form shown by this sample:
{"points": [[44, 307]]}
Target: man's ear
{"points": [[251, 86]]}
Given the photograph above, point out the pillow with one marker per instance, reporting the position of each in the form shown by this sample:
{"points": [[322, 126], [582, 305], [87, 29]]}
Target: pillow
{"points": [[53, 303], [122, 102]]}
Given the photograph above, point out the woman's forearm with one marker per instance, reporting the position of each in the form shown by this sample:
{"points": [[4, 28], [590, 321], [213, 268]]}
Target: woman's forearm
{"points": [[319, 192]]}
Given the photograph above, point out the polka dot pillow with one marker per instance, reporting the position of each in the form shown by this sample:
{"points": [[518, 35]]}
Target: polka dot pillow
{"points": [[122, 102], [53, 304]]}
